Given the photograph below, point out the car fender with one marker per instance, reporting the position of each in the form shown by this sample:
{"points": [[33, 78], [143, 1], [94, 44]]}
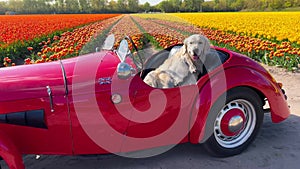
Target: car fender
{"points": [[9, 153], [217, 84]]}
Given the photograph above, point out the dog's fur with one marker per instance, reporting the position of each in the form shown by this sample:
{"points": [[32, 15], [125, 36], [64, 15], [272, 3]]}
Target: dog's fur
{"points": [[183, 66]]}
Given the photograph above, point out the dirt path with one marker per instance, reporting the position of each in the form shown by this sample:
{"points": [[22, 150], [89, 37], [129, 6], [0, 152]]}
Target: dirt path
{"points": [[291, 83]]}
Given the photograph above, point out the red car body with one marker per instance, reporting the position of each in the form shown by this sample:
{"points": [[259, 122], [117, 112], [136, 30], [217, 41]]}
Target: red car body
{"points": [[34, 121]]}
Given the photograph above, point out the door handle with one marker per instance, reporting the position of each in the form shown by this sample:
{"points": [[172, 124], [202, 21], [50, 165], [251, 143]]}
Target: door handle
{"points": [[49, 91]]}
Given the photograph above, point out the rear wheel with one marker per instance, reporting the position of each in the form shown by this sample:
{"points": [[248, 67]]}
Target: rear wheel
{"points": [[236, 123]]}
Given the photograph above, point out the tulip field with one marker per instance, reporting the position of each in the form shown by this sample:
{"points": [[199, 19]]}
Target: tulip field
{"points": [[26, 27], [270, 37], [22, 36]]}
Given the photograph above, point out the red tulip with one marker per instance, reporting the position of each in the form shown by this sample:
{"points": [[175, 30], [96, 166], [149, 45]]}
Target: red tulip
{"points": [[30, 48], [27, 61]]}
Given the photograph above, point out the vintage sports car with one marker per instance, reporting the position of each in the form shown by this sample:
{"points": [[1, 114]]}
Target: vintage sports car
{"points": [[98, 103]]}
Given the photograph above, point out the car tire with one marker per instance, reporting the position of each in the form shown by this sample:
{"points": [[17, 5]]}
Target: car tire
{"points": [[236, 123]]}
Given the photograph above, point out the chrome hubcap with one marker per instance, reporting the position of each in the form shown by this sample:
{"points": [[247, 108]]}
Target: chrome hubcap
{"points": [[235, 123]]}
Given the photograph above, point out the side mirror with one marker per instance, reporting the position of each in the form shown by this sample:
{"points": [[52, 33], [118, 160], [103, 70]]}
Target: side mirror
{"points": [[109, 42], [124, 70]]}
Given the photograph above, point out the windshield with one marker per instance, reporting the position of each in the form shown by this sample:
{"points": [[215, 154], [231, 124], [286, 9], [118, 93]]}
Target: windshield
{"points": [[133, 49]]}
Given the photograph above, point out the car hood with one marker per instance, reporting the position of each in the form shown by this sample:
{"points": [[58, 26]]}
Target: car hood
{"points": [[31, 81], [92, 71]]}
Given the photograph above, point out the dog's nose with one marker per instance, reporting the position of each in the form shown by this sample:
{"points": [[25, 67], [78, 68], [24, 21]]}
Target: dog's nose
{"points": [[195, 51]]}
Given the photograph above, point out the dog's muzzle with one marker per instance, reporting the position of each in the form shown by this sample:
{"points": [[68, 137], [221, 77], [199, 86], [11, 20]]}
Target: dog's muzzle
{"points": [[195, 54], [195, 57]]}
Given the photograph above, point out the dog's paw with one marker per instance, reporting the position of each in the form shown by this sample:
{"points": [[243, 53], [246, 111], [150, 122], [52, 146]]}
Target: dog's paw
{"points": [[193, 69]]}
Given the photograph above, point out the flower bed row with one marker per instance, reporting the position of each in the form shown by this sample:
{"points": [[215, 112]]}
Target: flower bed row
{"points": [[265, 25], [126, 27], [164, 36], [283, 54], [70, 43]]}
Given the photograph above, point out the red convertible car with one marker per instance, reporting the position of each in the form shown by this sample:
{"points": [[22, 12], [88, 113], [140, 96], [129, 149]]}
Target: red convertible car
{"points": [[98, 103]]}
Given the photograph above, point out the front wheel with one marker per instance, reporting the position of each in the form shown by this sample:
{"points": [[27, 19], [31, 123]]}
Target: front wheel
{"points": [[236, 123]]}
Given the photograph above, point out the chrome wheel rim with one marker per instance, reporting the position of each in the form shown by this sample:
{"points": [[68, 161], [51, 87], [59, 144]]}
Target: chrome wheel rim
{"points": [[235, 123]]}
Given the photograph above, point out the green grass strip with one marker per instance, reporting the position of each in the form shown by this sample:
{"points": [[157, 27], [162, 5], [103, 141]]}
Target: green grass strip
{"points": [[148, 37], [91, 46]]}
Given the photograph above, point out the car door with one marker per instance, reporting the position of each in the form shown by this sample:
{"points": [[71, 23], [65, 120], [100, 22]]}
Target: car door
{"points": [[160, 116], [98, 118], [34, 110]]}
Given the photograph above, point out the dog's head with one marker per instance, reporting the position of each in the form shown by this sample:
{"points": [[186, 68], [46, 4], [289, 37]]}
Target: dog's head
{"points": [[196, 46]]}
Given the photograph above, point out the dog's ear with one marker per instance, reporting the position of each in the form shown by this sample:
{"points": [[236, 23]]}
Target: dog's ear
{"points": [[185, 46], [206, 46]]}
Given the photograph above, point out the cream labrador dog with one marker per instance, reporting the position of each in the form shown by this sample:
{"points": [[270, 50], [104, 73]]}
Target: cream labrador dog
{"points": [[181, 68]]}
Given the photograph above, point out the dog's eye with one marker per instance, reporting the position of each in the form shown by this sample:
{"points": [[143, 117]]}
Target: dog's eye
{"points": [[191, 43]]}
